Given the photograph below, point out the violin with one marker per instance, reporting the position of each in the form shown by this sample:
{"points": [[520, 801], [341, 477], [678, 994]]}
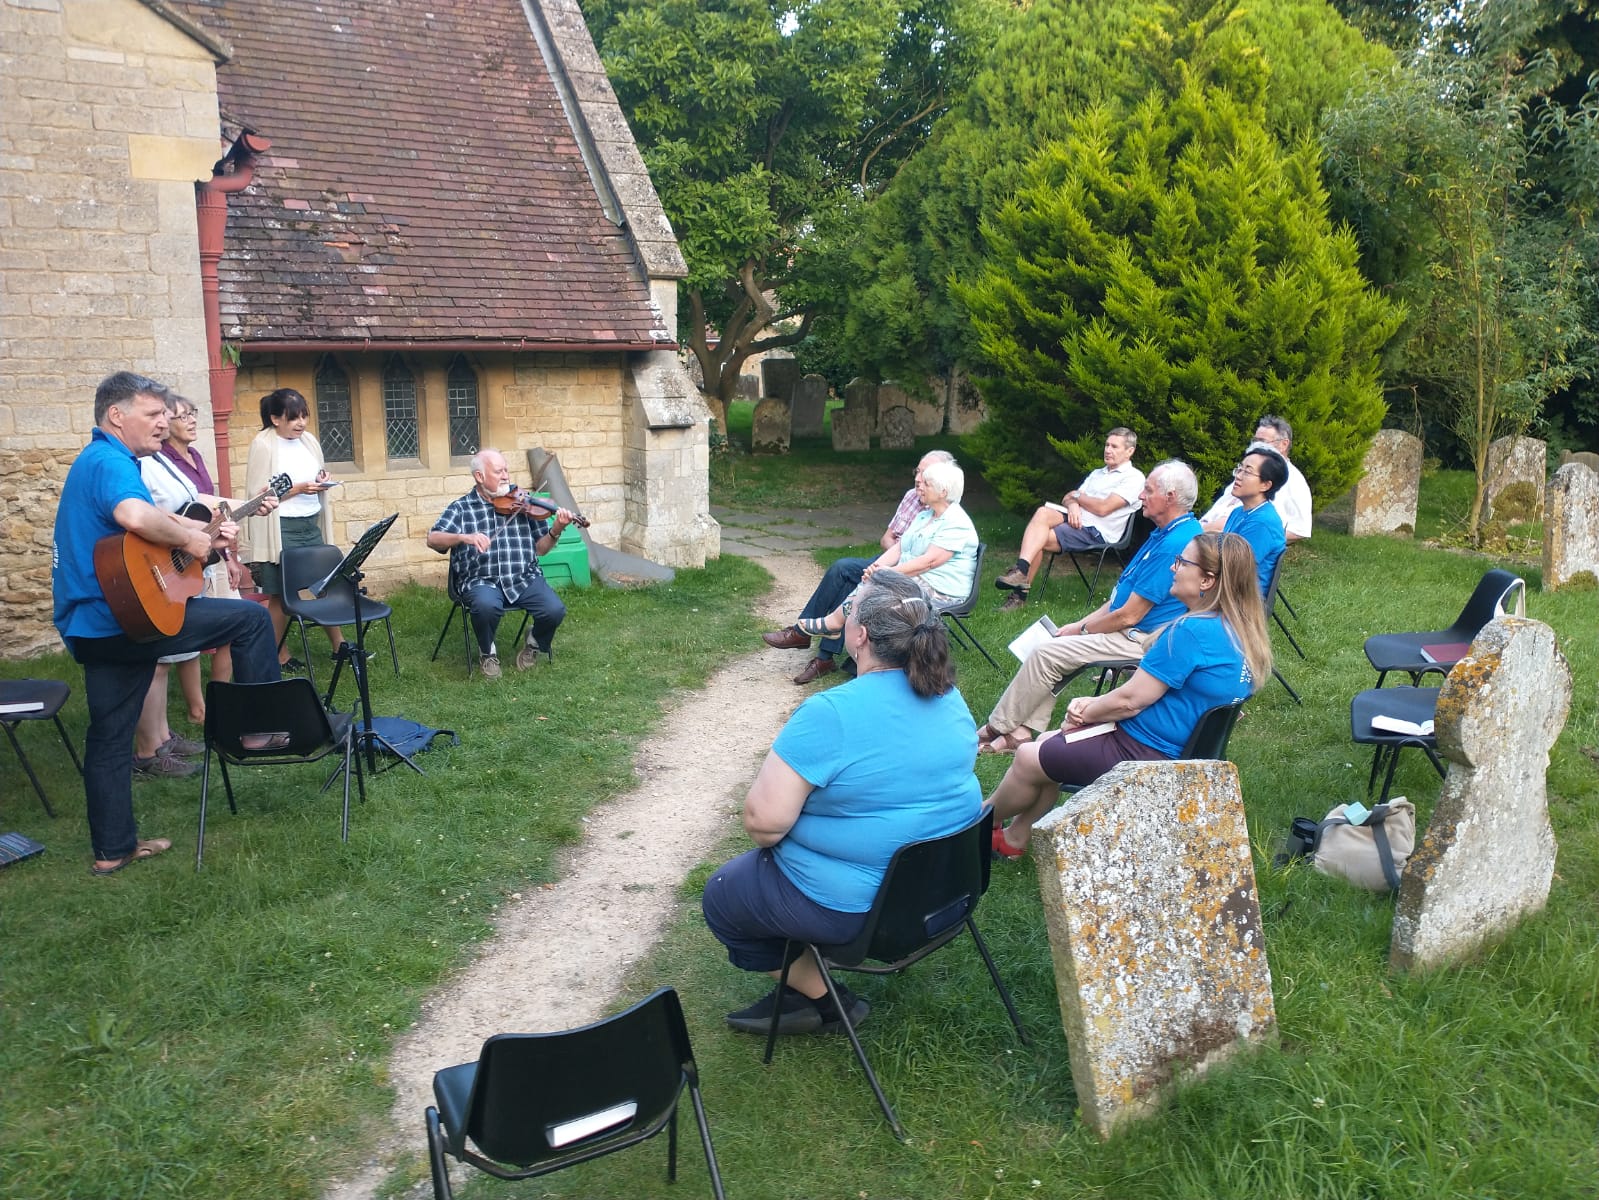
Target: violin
{"points": [[519, 501]]}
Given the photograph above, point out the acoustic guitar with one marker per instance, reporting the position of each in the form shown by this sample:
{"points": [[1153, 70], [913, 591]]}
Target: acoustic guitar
{"points": [[148, 585]]}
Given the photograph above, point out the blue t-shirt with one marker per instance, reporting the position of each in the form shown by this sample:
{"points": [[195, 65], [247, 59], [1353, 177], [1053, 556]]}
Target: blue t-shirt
{"points": [[1263, 530], [889, 768], [1150, 575], [1202, 665], [104, 475]]}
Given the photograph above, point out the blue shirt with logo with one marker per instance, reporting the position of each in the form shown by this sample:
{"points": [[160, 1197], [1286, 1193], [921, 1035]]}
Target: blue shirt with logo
{"points": [[104, 475], [1263, 530], [1149, 574], [1202, 665]]}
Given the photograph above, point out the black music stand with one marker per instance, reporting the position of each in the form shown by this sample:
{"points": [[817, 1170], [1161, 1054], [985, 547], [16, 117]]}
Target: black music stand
{"points": [[349, 570]]}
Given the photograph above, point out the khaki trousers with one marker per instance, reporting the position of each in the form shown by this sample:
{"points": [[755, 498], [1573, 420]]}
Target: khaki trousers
{"points": [[1030, 698]]}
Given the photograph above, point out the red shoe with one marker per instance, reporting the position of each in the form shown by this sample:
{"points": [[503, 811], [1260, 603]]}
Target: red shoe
{"points": [[1003, 848]]}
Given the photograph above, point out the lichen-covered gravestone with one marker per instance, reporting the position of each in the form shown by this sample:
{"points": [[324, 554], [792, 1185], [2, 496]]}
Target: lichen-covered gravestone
{"points": [[1586, 457], [1489, 852], [1154, 924], [779, 377], [1385, 497], [860, 395], [1517, 467], [1571, 528], [810, 405], [896, 428], [769, 431], [852, 429]]}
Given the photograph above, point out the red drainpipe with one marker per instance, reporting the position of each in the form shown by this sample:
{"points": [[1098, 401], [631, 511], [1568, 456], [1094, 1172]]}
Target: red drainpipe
{"points": [[232, 173]]}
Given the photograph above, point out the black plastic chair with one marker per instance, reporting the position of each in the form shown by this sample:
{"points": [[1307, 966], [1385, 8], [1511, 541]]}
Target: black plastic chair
{"points": [[469, 643], [926, 899], [1271, 598], [1403, 651], [1208, 740], [304, 566], [544, 1101], [303, 731], [1414, 704], [1120, 548], [50, 695], [955, 612]]}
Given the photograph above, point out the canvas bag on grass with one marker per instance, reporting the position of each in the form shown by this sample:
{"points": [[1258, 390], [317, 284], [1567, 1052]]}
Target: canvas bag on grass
{"points": [[1357, 852]]}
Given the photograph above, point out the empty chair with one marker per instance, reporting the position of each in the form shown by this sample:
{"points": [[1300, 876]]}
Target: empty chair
{"points": [[304, 566], [35, 700], [1496, 591], [288, 715], [534, 1103], [927, 898], [1120, 548], [956, 612], [1415, 705]]}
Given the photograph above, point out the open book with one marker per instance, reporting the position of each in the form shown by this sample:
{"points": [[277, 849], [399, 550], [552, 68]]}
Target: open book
{"points": [[1029, 639], [1382, 724]]}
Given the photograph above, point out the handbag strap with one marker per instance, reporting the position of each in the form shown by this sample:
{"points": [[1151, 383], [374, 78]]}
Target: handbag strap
{"points": [[1379, 837]]}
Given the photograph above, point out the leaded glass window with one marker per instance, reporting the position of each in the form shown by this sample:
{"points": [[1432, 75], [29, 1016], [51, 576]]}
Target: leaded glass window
{"points": [[461, 394], [399, 410], [334, 426]]}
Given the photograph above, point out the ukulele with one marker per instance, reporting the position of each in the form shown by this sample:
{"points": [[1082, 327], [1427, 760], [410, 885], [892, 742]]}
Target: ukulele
{"points": [[147, 586]]}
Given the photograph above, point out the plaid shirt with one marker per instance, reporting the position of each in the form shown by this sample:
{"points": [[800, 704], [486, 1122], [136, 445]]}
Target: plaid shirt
{"points": [[909, 506], [512, 561]]}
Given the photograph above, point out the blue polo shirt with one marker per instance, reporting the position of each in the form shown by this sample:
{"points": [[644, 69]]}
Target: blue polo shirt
{"points": [[1150, 575], [1263, 530], [1202, 665], [104, 475]]}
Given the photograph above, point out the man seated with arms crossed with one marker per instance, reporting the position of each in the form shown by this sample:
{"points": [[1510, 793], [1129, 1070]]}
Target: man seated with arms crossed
{"points": [[842, 578], [105, 495], [494, 562], [1118, 629], [1094, 515], [1292, 499]]}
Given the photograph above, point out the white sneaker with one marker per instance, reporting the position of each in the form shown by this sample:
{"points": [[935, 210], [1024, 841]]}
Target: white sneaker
{"points": [[527, 658], [490, 666]]}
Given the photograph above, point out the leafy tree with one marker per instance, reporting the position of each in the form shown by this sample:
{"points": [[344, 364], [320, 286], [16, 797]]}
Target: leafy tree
{"points": [[1176, 272]]}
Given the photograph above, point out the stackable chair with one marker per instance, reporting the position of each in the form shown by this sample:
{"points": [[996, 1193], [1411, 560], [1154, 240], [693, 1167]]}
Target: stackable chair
{"points": [[468, 642], [50, 695], [306, 565], [1208, 740], [1496, 592], [534, 1103], [306, 732], [955, 612], [1414, 704], [926, 900], [1271, 599], [1120, 548]]}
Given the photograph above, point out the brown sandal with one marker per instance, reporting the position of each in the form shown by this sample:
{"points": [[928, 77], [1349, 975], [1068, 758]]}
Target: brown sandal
{"points": [[141, 850], [1001, 743]]}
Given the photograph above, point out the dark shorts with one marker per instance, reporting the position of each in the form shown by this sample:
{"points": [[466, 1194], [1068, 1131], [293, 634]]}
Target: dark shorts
{"points": [[1069, 539], [753, 909], [1082, 762], [294, 531]]}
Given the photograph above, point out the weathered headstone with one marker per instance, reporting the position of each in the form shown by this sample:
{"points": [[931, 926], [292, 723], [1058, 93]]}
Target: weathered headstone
{"points": [[1517, 467], [966, 408], [927, 416], [749, 387], [769, 433], [1154, 924], [1489, 852], [810, 405], [860, 395], [1385, 496], [896, 428], [779, 377], [1586, 457], [852, 429], [1571, 528]]}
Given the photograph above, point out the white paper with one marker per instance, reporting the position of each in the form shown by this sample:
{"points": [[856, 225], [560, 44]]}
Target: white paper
{"points": [[1035, 635], [23, 706], [1383, 724], [1060, 508], [1089, 731]]}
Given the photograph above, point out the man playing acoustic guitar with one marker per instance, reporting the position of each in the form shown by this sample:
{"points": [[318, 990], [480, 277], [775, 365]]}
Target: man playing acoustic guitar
{"points": [[104, 496]]}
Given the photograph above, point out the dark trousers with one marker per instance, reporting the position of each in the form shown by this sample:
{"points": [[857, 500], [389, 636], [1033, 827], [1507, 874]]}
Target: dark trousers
{"points": [[116, 678], [487, 604], [753, 909], [842, 578]]}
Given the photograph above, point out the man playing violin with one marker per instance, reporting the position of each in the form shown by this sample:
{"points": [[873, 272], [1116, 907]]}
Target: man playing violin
{"points": [[494, 560], [104, 495]]}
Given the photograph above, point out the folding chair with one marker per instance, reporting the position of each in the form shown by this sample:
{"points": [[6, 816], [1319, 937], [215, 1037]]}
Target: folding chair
{"points": [[955, 612], [1492, 597], [307, 565], [302, 731], [926, 899], [468, 641], [1119, 548], [541, 1102], [18, 698], [1414, 704], [1271, 611]]}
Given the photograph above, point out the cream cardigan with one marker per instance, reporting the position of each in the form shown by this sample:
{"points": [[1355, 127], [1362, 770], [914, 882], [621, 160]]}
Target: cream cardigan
{"points": [[259, 538]]}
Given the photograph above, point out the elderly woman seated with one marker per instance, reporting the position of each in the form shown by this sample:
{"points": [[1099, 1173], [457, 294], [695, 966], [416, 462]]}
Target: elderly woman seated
{"points": [[835, 800], [939, 549], [1217, 654]]}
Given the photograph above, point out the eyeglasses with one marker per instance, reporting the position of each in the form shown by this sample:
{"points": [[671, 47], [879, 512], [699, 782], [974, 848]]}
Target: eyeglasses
{"points": [[1240, 469], [1180, 561], [188, 416]]}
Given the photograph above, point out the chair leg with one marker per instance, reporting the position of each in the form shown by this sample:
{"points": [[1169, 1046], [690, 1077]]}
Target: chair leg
{"points": [[855, 1041], [205, 791], [448, 621], [1378, 753], [227, 783], [777, 1005], [1276, 617], [439, 1168], [1049, 561], [671, 1146], [705, 1139], [349, 751], [27, 767], [999, 986], [1287, 603], [388, 624], [67, 742], [1388, 779], [980, 648], [305, 649], [1279, 677]]}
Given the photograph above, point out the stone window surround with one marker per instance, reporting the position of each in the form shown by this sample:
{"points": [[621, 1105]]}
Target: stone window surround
{"points": [[364, 376]]}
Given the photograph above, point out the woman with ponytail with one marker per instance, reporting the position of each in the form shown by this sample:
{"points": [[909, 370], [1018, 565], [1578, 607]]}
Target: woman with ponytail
{"points": [[1218, 653], [857, 772]]}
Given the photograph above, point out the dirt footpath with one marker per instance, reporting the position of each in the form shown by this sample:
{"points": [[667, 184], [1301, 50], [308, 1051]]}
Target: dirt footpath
{"points": [[560, 953]]}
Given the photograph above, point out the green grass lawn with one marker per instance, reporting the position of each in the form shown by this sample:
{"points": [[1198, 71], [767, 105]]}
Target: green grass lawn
{"points": [[172, 1034]]}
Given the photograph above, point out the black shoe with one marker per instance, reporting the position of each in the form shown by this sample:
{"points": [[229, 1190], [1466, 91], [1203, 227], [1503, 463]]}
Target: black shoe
{"points": [[856, 1006], [293, 667], [1017, 599], [799, 1014]]}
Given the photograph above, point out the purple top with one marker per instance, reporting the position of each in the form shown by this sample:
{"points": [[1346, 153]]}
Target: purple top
{"points": [[193, 468]]}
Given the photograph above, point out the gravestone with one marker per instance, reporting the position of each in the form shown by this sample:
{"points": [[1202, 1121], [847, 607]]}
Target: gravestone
{"points": [[779, 377], [769, 434], [1489, 852], [852, 429], [1517, 467], [896, 428], [1385, 496], [860, 395], [1154, 925], [1586, 457], [1571, 528], [966, 408], [749, 387], [810, 406], [927, 415]]}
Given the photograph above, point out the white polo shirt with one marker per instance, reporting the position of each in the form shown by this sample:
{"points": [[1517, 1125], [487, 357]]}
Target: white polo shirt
{"points": [[1126, 481]]}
